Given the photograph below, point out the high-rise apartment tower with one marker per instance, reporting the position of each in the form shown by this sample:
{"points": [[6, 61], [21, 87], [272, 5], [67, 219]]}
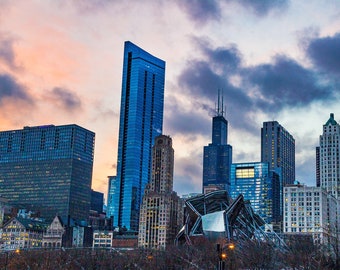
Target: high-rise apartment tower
{"points": [[217, 156], [48, 169], [161, 210], [141, 120]]}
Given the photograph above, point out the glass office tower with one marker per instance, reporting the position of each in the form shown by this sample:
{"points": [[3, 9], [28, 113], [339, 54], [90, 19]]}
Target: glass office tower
{"points": [[217, 156], [141, 120], [48, 169], [260, 186]]}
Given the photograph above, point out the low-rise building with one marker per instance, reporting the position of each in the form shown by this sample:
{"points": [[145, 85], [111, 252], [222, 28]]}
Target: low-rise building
{"points": [[102, 239], [20, 233], [53, 236], [310, 210]]}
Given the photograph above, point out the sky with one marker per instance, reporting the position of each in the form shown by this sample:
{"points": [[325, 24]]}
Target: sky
{"points": [[61, 63]]}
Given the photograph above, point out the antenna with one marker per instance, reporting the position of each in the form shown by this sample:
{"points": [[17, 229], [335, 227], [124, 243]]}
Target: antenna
{"points": [[218, 102], [222, 107]]}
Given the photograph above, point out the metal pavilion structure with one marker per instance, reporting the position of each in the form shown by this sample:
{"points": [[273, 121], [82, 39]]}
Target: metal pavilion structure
{"points": [[216, 215]]}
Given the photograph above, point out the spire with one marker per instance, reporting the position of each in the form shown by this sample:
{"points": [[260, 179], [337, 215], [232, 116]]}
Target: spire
{"points": [[220, 110], [331, 120]]}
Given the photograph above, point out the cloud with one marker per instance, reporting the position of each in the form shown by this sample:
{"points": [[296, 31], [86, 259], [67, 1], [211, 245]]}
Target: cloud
{"points": [[65, 98], [263, 7], [11, 90], [90, 6], [265, 89], [203, 11], [285, 83], [325, 53], [7, 54], [187, 122]]}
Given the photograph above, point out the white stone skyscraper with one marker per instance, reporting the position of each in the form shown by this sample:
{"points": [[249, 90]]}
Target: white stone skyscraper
{"points": [[328, 163], [161, 209]]}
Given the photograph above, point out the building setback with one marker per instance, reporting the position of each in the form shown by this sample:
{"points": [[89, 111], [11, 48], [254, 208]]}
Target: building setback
{"points": [[141, 120], [217, 156], [328, 160], [161, 210], [48, 169]]}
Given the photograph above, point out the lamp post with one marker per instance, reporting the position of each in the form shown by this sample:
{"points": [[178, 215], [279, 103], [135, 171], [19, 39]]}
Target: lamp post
{"points": [[224, 253], [222, 256], [231, 248], [17, 251]]}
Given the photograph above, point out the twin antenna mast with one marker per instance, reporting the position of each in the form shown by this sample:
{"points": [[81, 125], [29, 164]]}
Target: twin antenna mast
{"points": [[220, 109]]}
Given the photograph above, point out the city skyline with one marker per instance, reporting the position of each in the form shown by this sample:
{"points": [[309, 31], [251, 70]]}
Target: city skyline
{"points": [[60, 63]]}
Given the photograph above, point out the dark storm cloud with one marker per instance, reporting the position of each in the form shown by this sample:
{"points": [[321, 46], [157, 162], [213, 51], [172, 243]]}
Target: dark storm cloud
{"points": [[285, 83], [325, 53], [6, 51], [10, 88], [65, 98]]}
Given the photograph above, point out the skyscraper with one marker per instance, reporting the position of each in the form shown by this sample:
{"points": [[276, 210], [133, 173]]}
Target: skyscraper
{"points": [[161, 211], [328, 163], [141, 120], [217, 156], [278, 149], [260, 186], [48, 169]]}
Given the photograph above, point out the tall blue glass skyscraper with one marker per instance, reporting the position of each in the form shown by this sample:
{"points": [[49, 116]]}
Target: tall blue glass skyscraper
{"points": [[217, 156], [260, 186], [48, 169], [141, 120]]}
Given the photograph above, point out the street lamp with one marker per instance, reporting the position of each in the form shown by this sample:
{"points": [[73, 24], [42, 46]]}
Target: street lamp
{"points": [[222, 255], [17, 251], [231, 246]]}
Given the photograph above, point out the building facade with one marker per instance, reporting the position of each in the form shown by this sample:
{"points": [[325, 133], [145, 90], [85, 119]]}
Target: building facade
{"points": [[102, 239], [161, 210], [48, 169], [53, 236], [310, 210], [97, 201], [328, 160], [217, 156], [141, 120], [278, 149], [20, 233], [260, 186]]}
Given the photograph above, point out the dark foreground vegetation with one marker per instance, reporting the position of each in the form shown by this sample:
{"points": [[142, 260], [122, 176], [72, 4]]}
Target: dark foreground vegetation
{"points": [[203, 255]]}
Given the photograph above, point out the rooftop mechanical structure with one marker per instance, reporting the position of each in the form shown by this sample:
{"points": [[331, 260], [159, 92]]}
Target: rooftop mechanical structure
{"points": [[215, 215]]}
